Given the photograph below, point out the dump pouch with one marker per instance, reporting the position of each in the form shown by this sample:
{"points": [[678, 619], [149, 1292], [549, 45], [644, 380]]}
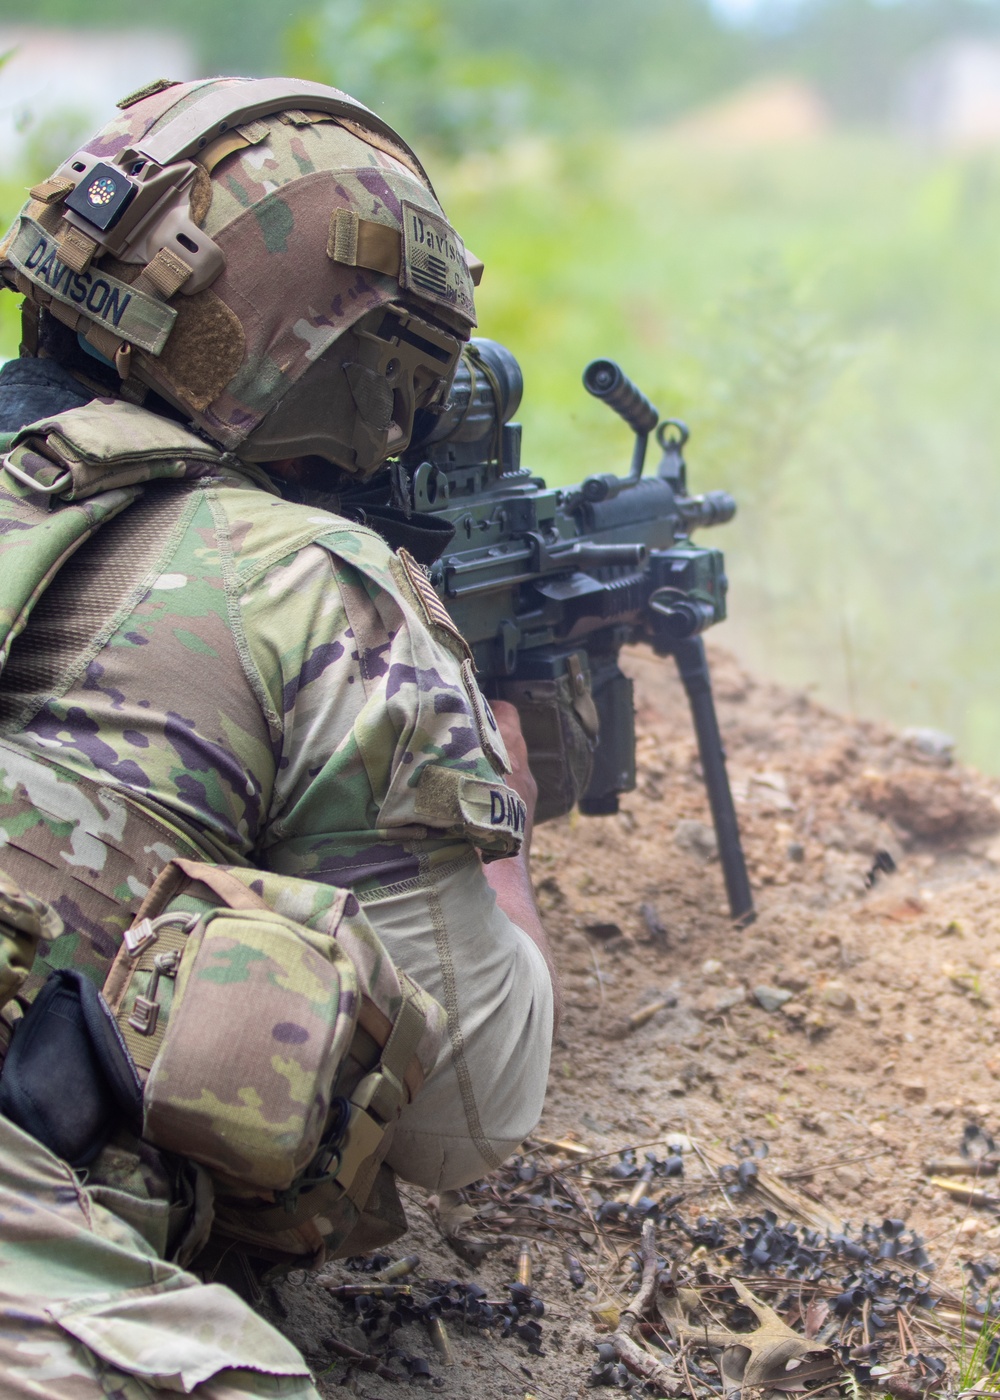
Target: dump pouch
{"points": [[68, 1079]]}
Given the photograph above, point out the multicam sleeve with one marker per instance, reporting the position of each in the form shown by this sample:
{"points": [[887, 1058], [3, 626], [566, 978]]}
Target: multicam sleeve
{"points": [[383, 731]]}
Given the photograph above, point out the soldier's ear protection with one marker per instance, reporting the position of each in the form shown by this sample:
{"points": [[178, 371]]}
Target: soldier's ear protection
{"points": [[356, 407]]}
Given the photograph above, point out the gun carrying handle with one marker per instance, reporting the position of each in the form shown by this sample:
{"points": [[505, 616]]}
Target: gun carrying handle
{"points": [[693, 667], [605, 380]]}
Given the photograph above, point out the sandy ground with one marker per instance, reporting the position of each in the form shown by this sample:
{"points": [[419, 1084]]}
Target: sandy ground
{"points": [[877, 1050]]}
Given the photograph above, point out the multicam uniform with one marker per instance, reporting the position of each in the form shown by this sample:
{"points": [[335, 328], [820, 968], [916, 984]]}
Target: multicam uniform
{"points": [[224, 673], [275, 687]]}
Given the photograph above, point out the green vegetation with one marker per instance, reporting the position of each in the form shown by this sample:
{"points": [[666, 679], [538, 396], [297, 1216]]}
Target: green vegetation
{"points": [[464, 72], [977, 1361], [823, 316]]}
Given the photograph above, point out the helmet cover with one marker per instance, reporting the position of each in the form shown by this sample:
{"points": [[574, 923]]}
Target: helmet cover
{"points": [[235, 244]]}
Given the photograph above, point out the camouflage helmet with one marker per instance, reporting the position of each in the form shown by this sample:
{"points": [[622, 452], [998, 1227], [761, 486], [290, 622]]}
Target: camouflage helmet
{"points": [[267, 254]]}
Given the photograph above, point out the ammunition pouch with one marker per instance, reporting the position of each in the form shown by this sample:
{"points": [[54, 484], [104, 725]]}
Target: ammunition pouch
{"points": [[560, 725], [277, 1044]]}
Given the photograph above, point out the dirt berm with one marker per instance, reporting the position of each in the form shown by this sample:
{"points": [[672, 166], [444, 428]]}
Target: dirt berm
{"points": [[851, 1033]]}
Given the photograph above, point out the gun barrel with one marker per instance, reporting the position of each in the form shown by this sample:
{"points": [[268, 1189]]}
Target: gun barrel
{"points": [[713, 508], [606, 381]]}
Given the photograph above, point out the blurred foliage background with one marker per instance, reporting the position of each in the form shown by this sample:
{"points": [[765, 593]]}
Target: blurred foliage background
{"points": [[819, 301]]}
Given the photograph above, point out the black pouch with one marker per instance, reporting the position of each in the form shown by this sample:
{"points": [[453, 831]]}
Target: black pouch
{"points": [[68, 1079]]}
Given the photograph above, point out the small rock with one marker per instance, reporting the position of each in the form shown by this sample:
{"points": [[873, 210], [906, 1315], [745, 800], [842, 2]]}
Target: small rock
{"points": [[696, 839], [795, 979], [836, 994], [732, 996], [968, 1229], [914, 1090], [815, 1023], [603, 930], [771, 788], [655, 927], [677, 1087], [771, 998], [710, 969], [794, 1010], [931, 744], [849, 1177], [795, 851]]}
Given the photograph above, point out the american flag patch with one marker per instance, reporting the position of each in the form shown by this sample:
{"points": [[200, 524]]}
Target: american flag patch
{"points": [[434, 612], [433, 264]]}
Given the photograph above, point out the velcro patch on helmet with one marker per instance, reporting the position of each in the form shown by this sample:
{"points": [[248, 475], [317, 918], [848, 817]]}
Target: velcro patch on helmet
{"points": [[205, 350], [147, 90], [130, 313], [434, 265]]}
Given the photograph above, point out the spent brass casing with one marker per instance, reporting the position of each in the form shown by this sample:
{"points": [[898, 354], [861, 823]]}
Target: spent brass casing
{"points": [[399, 1269], [441, 1340]]}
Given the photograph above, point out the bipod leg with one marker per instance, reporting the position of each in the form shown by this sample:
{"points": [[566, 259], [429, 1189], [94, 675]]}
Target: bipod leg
{"points": [[692, 664]]}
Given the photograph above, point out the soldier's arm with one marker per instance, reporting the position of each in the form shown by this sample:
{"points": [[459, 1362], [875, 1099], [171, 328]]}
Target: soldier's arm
{"points": [[380, 763], [510, 879]]}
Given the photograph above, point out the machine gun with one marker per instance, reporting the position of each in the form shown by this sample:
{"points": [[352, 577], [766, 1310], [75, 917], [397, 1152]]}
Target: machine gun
{"points": [[546, 584]]}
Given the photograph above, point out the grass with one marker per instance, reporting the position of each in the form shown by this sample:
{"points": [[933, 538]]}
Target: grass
{"points": [[977, 1359], [826, 320]]}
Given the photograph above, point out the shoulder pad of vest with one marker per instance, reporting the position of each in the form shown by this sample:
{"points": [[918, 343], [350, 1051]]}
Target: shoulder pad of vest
{"points": [[108, 443]]}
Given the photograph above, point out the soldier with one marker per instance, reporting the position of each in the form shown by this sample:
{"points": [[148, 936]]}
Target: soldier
{"points": [[237, 294]]}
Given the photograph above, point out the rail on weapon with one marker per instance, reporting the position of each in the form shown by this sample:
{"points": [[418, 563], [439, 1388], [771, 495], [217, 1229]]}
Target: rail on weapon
{"points": [[548, 583]]}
